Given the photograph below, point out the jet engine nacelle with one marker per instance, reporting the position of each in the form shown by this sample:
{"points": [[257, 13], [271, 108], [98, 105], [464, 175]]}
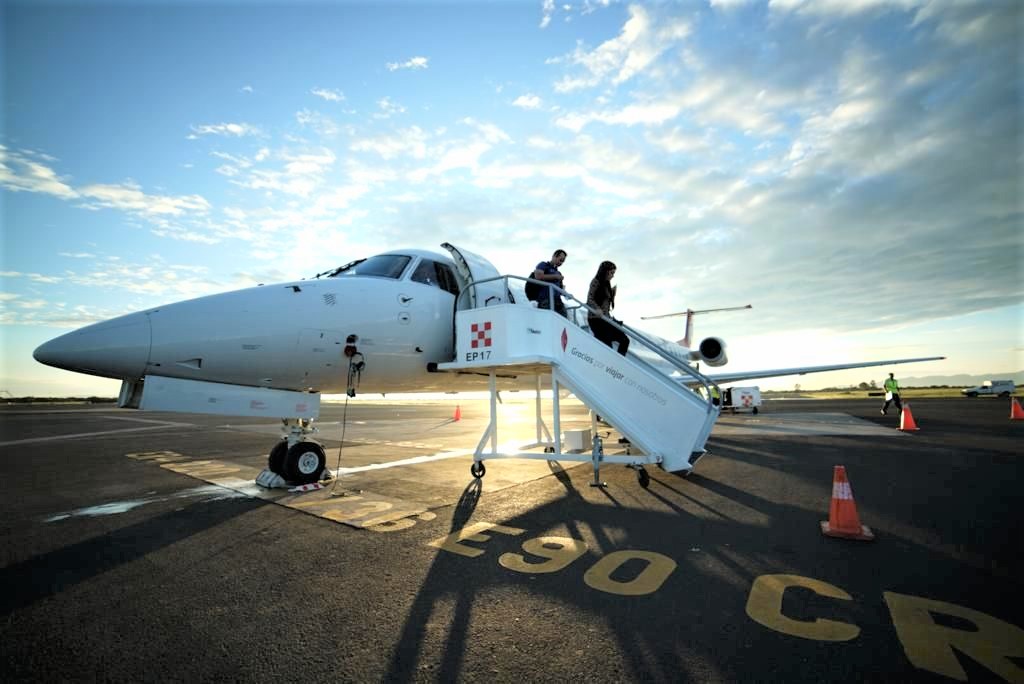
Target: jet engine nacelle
{"points": [[711, 351]]}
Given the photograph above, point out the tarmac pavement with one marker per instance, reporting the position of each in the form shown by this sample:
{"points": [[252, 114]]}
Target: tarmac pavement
{"points": [[137, 548]]}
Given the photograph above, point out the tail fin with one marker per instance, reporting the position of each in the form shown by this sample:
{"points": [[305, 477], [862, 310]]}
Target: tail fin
{"points": [[689, 329], [690, 313]]}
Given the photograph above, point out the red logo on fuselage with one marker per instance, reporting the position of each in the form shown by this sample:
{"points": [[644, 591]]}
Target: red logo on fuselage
{"points": [[565, 339], [481, 335]]}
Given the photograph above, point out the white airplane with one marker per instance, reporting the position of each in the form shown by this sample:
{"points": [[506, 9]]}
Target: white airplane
{"points": [[386, 324]]}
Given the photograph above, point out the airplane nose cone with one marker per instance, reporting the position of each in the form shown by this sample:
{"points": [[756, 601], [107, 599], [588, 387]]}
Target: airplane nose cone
{"points": [[118, 348]]}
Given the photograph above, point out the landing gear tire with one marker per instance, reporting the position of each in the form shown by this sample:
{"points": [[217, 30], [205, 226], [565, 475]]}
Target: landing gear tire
{"points": [[643, 478], [478, 469], [305, 463], [275, 462], [755, 410], [549, 450]]}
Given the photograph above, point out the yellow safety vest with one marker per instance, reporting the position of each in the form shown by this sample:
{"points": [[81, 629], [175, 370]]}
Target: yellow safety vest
{"points": [[892, 386]]}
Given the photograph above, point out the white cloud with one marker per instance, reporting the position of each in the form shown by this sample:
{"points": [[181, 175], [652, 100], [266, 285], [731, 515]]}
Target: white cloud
{"points": [[302, 174], [237, 130], [130, 197], [33, 176], [247, 89], [677, 141], [632, 52], [388, 108], [729, 4], [409, 141], [647, 114], [491, 133], [34, 277], [329, 95], [527, 102], [323, 125], [547, 9], [414, 63], [841, 8]]}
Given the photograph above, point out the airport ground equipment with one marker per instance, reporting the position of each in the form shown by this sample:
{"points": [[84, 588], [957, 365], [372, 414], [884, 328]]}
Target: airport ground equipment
{"points": [[741, 399], [666, 422]]}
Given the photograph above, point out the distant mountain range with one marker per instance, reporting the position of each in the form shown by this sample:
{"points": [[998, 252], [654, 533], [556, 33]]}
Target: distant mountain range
{"points": [[962, 380]]}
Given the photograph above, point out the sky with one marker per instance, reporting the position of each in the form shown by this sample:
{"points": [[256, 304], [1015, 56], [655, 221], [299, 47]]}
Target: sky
{"points": [[852, 169]]}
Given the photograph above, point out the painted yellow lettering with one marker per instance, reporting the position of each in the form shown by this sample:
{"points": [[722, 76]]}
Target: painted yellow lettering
{"points": [[929, 646], [647, 581], [559, 552], [764, 605], [472, 532], [358, 511]]}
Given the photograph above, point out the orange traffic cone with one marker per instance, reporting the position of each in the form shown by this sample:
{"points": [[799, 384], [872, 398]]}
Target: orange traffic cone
{"points": [[843, 520], [907, 423], [1016, 412], [458, 413]]}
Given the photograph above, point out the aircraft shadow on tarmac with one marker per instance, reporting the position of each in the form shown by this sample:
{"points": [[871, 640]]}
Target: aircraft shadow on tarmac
{"points": [[53, 573], [723, 536]]}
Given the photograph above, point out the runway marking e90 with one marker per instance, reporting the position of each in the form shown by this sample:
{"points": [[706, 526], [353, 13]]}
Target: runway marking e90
{"points": [[559, 552]]}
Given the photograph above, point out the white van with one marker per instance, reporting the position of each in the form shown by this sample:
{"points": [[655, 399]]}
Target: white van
{"points": [[993, 388]]}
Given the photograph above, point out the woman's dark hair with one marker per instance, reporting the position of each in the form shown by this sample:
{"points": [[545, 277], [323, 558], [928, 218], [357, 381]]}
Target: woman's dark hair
{"points": [[602, 270], [605, 290]]}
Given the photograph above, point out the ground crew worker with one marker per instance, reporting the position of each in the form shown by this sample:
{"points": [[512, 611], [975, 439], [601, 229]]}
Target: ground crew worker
{"points": [[715, 396], [892, 395]]}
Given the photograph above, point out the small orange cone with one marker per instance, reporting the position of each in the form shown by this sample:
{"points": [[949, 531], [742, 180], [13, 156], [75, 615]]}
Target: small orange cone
{"points": [[1016, 412], [458, 413], [907, 423], [843, 520]]}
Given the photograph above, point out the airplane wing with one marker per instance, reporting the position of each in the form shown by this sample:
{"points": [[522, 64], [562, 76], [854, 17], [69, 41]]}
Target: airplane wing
{"points": [[720, 378]]}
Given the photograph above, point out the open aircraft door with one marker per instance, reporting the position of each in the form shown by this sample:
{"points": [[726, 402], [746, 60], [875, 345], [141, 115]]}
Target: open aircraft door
{"points": [[472, 267]]}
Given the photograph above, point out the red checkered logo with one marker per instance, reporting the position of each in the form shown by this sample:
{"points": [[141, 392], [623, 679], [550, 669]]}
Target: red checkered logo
{"points": [[481, 335]]}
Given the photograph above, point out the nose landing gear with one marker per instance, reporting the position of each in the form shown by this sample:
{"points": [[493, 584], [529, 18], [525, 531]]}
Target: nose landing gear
{"points": [[295, 459]]}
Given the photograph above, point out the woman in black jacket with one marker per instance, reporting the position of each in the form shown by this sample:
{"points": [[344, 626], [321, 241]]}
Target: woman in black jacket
{"points": [[602, 296]]}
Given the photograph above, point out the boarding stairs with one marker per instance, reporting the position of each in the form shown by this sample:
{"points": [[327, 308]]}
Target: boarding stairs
{"points": [[663, 409]]}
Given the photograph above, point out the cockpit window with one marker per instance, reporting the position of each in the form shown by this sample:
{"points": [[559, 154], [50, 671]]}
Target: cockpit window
{"points": [[380, 266], [438, 275]]}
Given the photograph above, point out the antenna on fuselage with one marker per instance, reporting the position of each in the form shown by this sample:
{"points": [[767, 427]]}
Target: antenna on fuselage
{"points": [[690, 313]]}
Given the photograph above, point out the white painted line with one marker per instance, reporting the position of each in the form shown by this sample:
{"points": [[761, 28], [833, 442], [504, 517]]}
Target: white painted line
{"points": [[152, 420], [43, 411], [79, 435], [504, 448], [403, 462]]}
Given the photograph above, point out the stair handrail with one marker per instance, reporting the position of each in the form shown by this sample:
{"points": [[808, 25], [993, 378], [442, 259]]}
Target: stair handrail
{"points": [[706, 382]]}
